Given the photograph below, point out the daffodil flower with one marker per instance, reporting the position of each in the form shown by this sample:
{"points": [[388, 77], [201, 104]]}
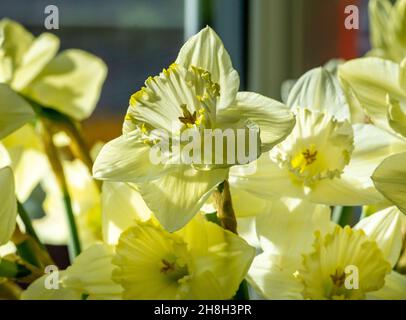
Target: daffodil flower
{"points": [[141, 260], [325, 159], [305, 256], [69, 82], [198, 92], [380, 87], [388, 29]]}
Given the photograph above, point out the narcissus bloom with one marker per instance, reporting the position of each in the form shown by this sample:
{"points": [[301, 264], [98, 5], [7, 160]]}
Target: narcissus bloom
{"points": [[198, 92], [200, 261], [380, 87], [69, 82], [388, 29], [308, 257], [325, 159]]}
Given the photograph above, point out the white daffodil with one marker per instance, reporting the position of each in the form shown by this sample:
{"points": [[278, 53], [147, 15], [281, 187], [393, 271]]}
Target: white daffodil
{"points": [[388, 29], [380, 87], [140, 260], [305, 256], [325, 159], [198, 92], [69, 82]]}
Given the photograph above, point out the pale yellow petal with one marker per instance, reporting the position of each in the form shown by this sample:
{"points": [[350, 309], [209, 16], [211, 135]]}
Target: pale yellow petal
{"points": [[273, 118], [70, 83], [206, 50], [319, 90], [14, 111], [91, 273], [176, 197], [272, 276], [38, 290], [40, 52], [8, 208], [126, 159], [121, 206], [394, 288], [385, 227], [390, 179]]}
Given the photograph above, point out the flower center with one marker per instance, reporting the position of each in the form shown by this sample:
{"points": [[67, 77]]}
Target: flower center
{"points": [[176, 99], [319, 147], [173, 269], [345, 264]]}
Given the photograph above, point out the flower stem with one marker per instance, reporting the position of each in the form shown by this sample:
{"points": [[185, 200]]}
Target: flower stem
{"points": [[78, 145], [226, 216], [224, 205], [56, 164], [27, 223]]}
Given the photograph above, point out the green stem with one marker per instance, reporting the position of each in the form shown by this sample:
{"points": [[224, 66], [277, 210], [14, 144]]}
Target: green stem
{"points": [[343, 215], [242, 293], [27, 223], [56, 164], [74, 235], [11, 269]]}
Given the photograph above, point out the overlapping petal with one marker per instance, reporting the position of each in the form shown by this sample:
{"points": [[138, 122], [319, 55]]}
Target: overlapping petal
{"points": [[70, 83], [206, 50]]}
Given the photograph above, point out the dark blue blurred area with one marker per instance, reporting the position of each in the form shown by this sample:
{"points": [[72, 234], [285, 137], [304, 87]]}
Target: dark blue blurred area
{"points": [[136, 38]]}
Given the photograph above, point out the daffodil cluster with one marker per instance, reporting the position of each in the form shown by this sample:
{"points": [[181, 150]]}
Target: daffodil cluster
{"points": [[316, 209]]}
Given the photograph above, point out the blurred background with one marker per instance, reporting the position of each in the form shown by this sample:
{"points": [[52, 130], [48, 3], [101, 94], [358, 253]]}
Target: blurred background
{"points": [[269, 40]]}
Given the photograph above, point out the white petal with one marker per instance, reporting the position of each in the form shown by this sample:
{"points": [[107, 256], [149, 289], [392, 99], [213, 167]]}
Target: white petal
{"points": [[372, 79], [126, 159], [345, 191], [371, 146], [121, 206], [390, 179], [70, 83], [319, 90], [206, 50], [394, 288], [38, 291], [288, 228], [385, 227], [40, 52], [8, 208], [274, 118], [176, 197], [91, 273], [14, 111], [273, 277]]}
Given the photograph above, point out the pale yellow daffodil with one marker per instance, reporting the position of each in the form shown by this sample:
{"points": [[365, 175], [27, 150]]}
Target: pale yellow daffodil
{"points": [[69, 82], [305, 256], [388, 29], [140, 260], [325, 159], [380, 87], [198, 92]]}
